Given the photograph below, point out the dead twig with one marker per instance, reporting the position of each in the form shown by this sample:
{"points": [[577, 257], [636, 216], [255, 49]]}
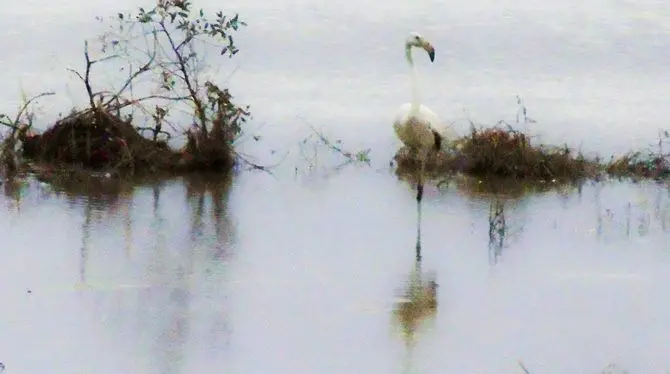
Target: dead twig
{"points": [[15, 123], [361, 156], [523, 367]]}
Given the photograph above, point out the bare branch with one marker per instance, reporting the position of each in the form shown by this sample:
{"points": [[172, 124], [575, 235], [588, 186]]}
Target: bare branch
{"points": [[15, 123], [103, 59], [127, 103], [87, 76], [77, 74], [523, 368], [143, 69], [200, 110], [254, 166]]}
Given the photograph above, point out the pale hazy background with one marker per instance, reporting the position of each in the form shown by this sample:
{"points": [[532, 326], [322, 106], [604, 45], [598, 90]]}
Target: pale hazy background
{"points": [[298, 276]]}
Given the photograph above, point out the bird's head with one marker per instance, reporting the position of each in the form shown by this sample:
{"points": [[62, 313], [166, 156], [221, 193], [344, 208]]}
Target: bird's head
{"points": [[416, 40]]}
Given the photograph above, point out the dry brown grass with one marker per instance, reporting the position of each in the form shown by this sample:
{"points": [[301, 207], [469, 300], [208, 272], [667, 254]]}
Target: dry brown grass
{"points": [[99, 140], [501, 155], [640, 165], [497, 152]]}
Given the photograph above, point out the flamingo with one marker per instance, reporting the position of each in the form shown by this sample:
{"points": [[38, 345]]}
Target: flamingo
{"points": [[414, 123]]}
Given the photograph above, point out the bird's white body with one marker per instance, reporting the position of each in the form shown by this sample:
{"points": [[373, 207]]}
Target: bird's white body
{"points": [[415, 130]]}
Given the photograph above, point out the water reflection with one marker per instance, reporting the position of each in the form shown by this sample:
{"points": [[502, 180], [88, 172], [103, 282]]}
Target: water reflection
{"points": [[416, 308], [646, 210], [497, 230], [218, 189], [417, 303], [12, 188], [161, 278], [164, 279]]}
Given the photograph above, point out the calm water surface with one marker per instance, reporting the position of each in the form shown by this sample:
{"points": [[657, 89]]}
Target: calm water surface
{"points": [[300, 272], [302, 276]]}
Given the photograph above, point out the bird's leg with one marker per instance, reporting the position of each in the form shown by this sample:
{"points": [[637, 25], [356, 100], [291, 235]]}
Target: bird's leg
{"points": [[419, 188], [419, 191], [418, 232], [419, 195]]}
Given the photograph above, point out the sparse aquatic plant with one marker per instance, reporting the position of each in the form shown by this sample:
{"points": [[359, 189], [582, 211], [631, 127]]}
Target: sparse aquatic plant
{"points": [[19, 132], [311, 146], [609, 369], [649, 164]]}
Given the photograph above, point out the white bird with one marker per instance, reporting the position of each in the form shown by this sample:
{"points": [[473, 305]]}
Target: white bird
{"points": [[414, 123]]}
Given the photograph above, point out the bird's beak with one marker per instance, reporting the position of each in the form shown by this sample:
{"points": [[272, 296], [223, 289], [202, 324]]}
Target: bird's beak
{"points": [[431, 51]]}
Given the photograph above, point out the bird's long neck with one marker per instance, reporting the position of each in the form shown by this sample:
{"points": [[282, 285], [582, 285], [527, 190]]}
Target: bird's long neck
{"points": [[415, 81]]}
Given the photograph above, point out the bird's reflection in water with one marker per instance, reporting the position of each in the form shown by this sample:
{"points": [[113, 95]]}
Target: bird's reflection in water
{"points": [[417, 302]]}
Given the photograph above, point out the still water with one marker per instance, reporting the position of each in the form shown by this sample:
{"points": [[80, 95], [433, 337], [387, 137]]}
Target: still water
{"points": [[300, 272], [286, 276]]}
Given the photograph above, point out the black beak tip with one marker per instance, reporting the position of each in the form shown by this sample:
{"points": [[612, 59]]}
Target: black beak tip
{"points": [[431, 54]]}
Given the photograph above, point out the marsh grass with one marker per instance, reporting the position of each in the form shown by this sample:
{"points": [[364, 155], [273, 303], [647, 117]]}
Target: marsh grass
{"points": [[640, 165], [503, 155], [652, 163]]}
